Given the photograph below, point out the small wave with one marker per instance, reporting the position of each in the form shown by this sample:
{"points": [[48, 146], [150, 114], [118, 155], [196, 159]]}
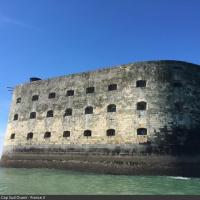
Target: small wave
{"points": [[179, 177]]}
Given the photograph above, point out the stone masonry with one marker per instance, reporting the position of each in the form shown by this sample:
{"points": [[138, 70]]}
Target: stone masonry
{"points": [[148, 107]]}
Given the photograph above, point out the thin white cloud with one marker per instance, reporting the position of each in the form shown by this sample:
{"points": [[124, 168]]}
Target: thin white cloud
{"points": [[5, 19]]}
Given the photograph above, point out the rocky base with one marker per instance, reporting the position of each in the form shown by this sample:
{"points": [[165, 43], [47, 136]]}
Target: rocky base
{"points": [[109, 164]]}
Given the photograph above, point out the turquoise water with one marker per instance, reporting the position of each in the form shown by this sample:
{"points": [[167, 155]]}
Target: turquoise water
{"points": [[51, 181]]}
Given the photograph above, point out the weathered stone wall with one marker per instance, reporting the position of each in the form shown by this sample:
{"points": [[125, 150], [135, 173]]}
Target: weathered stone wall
{"points": [[172, 95]]}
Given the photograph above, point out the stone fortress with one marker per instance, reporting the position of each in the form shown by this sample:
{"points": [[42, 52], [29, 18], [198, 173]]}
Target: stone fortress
{"points": [[140, 118]]}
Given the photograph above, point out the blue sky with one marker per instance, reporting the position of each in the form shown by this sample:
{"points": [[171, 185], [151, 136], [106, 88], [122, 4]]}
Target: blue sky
{"points": [[55, 37]]}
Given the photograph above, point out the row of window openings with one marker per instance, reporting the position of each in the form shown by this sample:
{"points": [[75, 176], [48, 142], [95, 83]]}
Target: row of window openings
{"points": [[88, 110], [111, 87], [86, 133]]}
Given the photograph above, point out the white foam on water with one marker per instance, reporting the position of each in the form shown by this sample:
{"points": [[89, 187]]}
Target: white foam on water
{"points": [[179, 177]]}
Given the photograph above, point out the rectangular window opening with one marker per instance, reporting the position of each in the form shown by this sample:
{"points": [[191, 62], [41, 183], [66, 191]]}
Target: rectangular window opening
{"points": [[90, 90]]}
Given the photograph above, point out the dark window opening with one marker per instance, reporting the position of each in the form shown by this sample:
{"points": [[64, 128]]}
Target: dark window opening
{"points": [[179, 131], [68, 112], [141, 105], [12, 136], [18, 100], [141, 131], [16, 117], [50, 113], [29, 136], [141, 83], [111, 108], [177, 84], [47, 135], [35, 98], [66, 134], [87, 133], [52, 95], [112, 87], [70, 93], [179, 106], [110, 132], [32, 115], [89, 90], [89, 110]]}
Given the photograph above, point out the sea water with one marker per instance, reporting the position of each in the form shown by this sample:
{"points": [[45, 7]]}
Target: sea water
{"points": [[62, 182]]}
